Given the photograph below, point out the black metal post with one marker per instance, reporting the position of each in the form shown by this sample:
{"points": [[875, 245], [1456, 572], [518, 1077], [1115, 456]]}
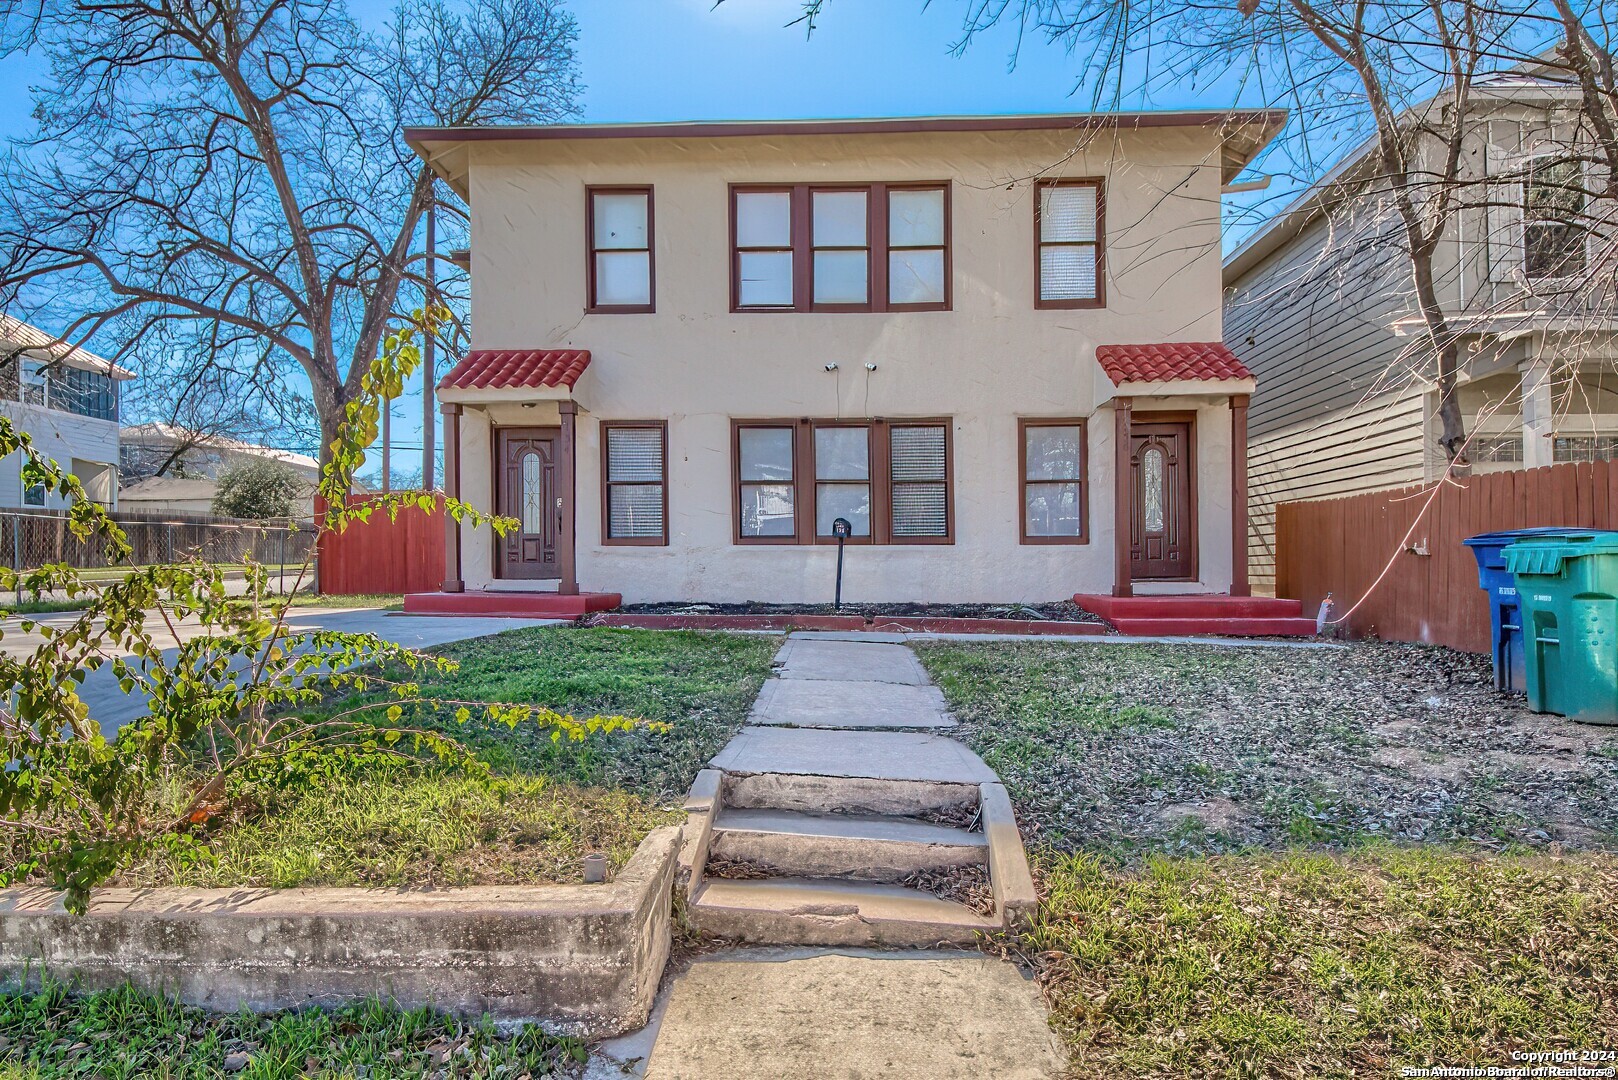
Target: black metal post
{"points": [[840, 528]]}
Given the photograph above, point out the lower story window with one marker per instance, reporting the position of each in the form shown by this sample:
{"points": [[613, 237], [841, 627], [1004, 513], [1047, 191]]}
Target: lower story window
{"points": [[1053, 463], [634, 478], [889, 479], [1584, 448]]}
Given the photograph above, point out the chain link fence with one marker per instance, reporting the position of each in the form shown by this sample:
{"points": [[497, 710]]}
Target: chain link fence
{"points": [[30, 539]]}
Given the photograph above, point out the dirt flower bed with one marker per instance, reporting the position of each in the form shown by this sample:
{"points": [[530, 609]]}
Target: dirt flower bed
{"points": [[1203, 749], [1055, 610]]}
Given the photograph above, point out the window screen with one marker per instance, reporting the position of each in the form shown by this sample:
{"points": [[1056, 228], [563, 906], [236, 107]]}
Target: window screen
{"points": [[1069, 242], [918, 459], [636, 482]]}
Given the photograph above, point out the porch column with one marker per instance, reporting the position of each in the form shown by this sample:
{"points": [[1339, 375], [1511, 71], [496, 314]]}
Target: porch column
{"points": [[1538, 414], [567, 469], [1123, 505], [452, 488], [1238, 496]]}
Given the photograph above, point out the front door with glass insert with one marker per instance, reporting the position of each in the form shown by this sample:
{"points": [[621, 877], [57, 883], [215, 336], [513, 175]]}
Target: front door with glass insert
{"points": [[526, 489], [1163, 529]]}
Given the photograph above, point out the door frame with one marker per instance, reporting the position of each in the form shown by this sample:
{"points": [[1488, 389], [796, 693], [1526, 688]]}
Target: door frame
{"points": [[1189, 419], [497, 485]]}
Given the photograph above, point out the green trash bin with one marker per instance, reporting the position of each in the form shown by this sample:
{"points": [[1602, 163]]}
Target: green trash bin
{"points": [[1568, 588]]}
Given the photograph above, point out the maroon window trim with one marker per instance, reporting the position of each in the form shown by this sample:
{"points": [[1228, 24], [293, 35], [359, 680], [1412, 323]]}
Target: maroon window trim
{"points": [[1100, 243], [590, 251], [806, 482], [877, 248], [1082, 479], [608, 483]]}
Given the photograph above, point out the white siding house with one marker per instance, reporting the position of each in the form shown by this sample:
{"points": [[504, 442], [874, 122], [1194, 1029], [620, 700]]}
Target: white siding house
{"points": [[67, 400]]}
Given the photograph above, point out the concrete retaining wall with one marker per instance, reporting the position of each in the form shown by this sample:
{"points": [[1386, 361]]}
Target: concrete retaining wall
{"points": [[586, 958]]}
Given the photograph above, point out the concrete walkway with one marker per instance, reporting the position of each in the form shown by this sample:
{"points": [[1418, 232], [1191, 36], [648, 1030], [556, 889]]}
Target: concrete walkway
{"points": [[112, 708], [840, 706]]}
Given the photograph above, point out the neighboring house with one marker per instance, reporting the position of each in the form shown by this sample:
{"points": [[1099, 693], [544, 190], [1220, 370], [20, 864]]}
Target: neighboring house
{"points": [[191, 464], [697, 346], [1320, 303], [67, 399]]}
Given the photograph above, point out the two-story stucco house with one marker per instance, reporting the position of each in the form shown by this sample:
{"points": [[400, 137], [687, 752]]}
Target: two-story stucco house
{"points": [[1321, 304], [698, 346], [67, 400]]}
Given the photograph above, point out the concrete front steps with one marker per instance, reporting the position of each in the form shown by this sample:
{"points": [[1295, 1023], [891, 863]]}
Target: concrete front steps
{"points": [[1175, 616], [837, 850]]}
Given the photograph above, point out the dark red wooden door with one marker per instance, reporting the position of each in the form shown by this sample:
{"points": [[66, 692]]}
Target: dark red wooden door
{"points": [[526, 489], [1163, 529]]}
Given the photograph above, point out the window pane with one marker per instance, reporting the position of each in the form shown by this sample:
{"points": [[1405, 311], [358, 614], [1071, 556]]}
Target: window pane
{"points": [[767, 510], [1553, 249], [635, 510], [1152, 493], [840, 277], [916, 218], [916, 277], [842, 453], [1052, 509], [764, 219], [1067, 273], [840, 218], [1067, 213], [917, 452], [766, 453], [1053, 452], [919, 510], [533, 495], [766, 279], [635, 455], [851, 501], [620, 220], [623, 277]]}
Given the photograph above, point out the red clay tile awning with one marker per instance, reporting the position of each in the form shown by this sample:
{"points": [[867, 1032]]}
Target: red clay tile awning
{"points": [[501, 369], [1202, 361]]}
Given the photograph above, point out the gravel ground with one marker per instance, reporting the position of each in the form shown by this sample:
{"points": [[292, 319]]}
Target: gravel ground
{"points": [[1201, 749], [1056, 610]]}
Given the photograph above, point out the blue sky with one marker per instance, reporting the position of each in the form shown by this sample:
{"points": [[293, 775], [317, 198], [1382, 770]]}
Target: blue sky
{"points": [[686, 59]]}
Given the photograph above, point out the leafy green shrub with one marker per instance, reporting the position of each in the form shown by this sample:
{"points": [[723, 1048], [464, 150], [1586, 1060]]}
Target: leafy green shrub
{"points": [[258, 488]]}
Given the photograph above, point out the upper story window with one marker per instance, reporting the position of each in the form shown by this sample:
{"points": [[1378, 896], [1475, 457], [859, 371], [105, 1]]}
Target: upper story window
{"points": [[844, 247], [619, 228], [69, 389], [1553, 219], [1068, 231]]}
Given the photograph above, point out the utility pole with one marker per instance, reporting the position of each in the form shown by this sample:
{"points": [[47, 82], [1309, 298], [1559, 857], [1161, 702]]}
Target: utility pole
{"points": [[427, 374]]}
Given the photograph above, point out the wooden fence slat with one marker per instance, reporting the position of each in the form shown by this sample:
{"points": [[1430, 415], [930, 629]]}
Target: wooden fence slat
{"points": [[1342, 546]]}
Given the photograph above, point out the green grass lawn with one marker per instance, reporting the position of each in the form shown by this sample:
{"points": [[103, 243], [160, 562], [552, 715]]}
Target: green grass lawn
{"points": [[1326, 965], [1300, 863], [701, 684], [125, 1034], [552, 802]]}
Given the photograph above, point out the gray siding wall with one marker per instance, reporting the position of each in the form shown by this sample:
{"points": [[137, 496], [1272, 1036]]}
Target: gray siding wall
{"points": [[1336, 410]]}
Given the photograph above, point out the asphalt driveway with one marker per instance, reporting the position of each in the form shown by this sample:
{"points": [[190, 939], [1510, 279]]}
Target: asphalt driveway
{"points": [[113, 708]]}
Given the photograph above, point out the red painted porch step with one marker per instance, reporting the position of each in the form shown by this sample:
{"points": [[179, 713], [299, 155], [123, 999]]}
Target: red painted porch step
{"points": [[511, 604], [1230, 616]]}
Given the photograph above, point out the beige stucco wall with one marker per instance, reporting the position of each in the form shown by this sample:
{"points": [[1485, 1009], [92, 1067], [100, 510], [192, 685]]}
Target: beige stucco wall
{"points": [[990, 360]]}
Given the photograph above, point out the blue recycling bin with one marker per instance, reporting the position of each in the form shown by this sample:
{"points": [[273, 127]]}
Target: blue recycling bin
{"points": [[1497, 581]]}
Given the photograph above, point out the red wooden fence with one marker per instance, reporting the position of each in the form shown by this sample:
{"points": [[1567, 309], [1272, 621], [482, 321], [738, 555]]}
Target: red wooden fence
{"points": [[404, 555], [1430, 591]]}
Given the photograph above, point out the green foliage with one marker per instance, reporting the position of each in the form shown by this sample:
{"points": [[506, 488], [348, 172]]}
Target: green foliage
{"points": [[235, 711], [257, 487], [128, 1033]]}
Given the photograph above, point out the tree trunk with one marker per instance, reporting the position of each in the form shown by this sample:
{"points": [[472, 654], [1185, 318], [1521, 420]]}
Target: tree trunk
{"points": [[1447, 354]]}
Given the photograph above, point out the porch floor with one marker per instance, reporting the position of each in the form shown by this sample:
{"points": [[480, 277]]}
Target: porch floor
{"points": [[535, 605], [1228, 616]]}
